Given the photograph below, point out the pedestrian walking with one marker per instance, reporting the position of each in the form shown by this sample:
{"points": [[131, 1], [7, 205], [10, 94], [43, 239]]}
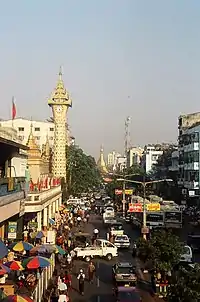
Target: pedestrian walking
{"points": [[54, 295], [91, 271], [81, 282]]}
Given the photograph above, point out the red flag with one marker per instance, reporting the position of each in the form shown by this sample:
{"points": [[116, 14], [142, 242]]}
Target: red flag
{"points": [[14, 111]]}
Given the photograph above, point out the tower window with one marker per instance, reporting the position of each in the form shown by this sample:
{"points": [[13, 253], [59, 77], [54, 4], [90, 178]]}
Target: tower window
{"points": [[37, 128], [21, 129], [51, 129]]}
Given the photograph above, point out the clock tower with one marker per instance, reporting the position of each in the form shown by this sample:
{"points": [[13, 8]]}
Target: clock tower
{"points": [[60, 101]]}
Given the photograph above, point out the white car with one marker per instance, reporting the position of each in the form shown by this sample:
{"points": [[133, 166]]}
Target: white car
{"points": [[122, 241]]}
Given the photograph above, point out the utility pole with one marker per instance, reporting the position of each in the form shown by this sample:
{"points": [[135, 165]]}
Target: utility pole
{"points": [[126, 148], [127, 137]]}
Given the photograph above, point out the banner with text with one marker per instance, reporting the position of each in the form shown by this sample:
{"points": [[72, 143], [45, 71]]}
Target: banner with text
{"points": [[12, 230], [153, 207], [120, 192], [135, 207]]}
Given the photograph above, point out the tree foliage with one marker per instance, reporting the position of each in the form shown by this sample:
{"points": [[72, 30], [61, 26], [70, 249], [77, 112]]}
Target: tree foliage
{"points": [[163, 250], [82, 172], [185, 285]]}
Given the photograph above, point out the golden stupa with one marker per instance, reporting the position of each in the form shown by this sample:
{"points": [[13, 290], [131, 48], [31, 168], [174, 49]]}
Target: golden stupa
{"points": [[34, 150], [38, 162], [101, 163]]}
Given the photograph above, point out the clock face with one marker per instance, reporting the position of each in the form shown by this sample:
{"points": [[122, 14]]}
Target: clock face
{"points": [[58, 108]]}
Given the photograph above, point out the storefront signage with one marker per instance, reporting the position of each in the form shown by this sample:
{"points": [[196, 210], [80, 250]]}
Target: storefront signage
{"points": [[12, 230], [135, 207], [153, 207], [120, 192]]}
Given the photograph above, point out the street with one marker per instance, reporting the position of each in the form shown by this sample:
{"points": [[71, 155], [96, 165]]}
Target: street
{"points": [[102, 288]]}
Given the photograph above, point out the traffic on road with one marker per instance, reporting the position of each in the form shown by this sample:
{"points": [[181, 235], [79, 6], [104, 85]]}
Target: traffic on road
{"points": [[103, 255]]}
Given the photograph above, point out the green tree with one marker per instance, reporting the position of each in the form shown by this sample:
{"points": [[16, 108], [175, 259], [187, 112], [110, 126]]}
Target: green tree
{"points": [[168, 249], [82, 171], [185, 285], [163, 250]]}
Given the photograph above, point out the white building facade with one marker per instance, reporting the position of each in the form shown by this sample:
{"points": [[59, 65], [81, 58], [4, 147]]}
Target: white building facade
{"points": [[134, 156], [41, 129], [150, 157], [112, 159]]}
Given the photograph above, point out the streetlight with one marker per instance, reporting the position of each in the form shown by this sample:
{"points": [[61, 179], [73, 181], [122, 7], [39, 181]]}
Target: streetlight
{"points": [[144, 184], [124, 190]]}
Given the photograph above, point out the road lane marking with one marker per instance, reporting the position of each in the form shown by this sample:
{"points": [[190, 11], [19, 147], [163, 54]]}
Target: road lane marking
{"points": [[98, 298], [98, 283]]}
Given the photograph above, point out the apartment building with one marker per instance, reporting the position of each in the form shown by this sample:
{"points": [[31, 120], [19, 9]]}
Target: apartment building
{"points": [[189, 156], [112, 159], [150, 156], [134, 156]]}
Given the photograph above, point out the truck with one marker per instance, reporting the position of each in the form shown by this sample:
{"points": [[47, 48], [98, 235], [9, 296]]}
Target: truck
{"points": [[103, 249]]}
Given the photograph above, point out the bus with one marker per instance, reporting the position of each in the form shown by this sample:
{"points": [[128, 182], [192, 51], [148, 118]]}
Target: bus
{"points": [[155, 219], [173, 219]]}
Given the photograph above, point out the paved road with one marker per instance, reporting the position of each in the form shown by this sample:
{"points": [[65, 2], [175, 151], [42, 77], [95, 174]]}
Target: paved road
{"points": [[102, 288]]}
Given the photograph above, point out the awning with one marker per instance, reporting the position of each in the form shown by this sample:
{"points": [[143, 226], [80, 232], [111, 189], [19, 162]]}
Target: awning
{"points": [[12, 143]]}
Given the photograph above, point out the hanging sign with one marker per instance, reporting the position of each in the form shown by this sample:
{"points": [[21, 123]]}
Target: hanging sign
{"points": [[120, 192], [153, 207], [135, 207], [12, 230]]}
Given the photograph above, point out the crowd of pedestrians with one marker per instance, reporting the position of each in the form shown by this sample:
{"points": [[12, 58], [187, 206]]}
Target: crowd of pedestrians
{"points": [[69, 222]]}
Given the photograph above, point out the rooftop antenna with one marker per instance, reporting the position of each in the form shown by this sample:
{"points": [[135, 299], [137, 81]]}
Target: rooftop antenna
{"points": [[127, 137]]}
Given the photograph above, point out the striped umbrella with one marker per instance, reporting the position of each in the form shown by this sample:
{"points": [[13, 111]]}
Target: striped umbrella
{"points": [[21, 246], [4, 269], [60, 250], [36, 262], [14, 265]]}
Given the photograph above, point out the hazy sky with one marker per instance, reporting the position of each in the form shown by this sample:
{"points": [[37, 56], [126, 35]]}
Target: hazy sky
{"points": [[110, 50]]}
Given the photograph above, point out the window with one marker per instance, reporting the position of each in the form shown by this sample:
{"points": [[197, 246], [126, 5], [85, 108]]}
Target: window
{"points": [[37, 128], [37, 137], [108, 244], [51, 129], [21, 129], [51, 138], [21, 137]]}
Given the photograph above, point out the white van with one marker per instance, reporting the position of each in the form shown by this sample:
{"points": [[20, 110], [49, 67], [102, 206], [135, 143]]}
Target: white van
{"points": [[187, 255], [75, 202]]}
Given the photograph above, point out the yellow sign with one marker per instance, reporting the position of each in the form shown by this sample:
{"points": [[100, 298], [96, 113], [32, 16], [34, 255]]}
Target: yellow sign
{"points": [[128, 192], [153, 207]]}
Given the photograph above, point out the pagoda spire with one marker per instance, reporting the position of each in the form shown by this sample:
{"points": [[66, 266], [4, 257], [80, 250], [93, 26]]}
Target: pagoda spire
{"points": [[101, 162], [60, 94], [34, 150]]}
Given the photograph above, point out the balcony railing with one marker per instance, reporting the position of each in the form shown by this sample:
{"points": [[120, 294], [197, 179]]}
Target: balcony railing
{"points": [[11, 189], [41, 197]]}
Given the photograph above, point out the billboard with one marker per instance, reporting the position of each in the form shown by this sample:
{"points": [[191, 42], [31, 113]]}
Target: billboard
{"points": [[120, 192], [153, 207], [135, 207]]}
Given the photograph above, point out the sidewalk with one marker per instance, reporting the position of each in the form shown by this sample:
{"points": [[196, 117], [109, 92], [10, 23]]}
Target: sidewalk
{"points": [[145, 294]]}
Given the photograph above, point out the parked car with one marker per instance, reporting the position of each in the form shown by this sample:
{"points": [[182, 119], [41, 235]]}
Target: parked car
{"points": [[122, 241]]}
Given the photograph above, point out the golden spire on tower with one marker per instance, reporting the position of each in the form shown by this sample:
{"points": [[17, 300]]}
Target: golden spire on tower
{"points": [[101, 162], [34, 150], [60, 95]]}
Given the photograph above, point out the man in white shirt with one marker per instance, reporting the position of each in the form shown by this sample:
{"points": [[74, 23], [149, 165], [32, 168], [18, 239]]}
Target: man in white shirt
{"points": [[96, 232], [61, 285], [81, 281]]}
